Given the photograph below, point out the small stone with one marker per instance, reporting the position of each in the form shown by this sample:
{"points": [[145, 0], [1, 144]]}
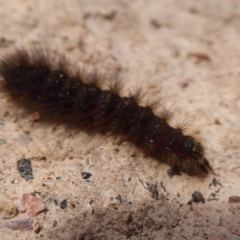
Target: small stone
{"points": [[55, 201], [197, 197], [215, 183], [23, 224], [7, 210], [32, 204], [40, 158], [14, 181], [71, 204], [200, 57], [54, 223], [217, 121], [153, 189], [37, 227], [234, 199], [119, 198], [63, 204], [24, 166], [127, 217], [86, 175]]}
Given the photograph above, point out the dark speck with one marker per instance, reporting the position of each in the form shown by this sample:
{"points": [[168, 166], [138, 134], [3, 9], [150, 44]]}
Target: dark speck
{"points": [[155, 23], [55, 201], [86, 175], [116, 150], [63, 204], [215, 182], [153, 189], [2, 141], [24, 166], [197, 197], [119, 197], [213, 196]]}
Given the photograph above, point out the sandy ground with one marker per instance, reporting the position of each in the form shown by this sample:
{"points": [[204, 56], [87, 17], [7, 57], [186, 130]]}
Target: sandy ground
{"points": [[185, 51]]}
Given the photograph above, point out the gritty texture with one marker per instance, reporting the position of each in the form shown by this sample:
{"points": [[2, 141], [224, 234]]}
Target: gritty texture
{"points": [[185, 52]]}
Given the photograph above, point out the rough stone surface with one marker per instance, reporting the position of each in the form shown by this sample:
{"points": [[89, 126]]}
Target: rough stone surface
{"points": [[187, 54]]}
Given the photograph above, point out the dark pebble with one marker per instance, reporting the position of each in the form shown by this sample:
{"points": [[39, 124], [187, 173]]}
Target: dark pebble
{"points": [[234, 199], [24, 166], [197, 197], [153, 189], [63, 204], [215, 182], [119, 198], [86, 175], [55, 201]]}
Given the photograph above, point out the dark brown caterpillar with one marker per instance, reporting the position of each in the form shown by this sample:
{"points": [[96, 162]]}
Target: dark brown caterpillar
{"points": [[47, 78]]}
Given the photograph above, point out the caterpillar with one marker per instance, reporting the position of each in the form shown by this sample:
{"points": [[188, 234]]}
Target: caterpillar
{"points": [[51, 80]]}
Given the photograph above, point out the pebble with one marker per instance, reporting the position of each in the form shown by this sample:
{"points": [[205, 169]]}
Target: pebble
{"points": [[71, 204], [7, 210], [54, 223], [86, 175], [23, 224], [24, 166], [197, 197], [32, 204], [37, 227], [63, 204], [234, 199]]}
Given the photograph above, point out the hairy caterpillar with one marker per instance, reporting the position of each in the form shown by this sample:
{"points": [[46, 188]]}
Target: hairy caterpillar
{"points": [[48, 78]]}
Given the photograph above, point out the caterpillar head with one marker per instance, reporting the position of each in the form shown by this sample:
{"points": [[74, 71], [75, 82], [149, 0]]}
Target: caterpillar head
{"points": [[191, 149], [191, 155]]}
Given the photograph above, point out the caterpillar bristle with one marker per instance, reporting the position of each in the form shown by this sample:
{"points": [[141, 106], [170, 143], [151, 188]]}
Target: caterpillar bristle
{"points": [[51, 80], [166, 114], [183, 126], [115, 85], [154, 103], [137, 94]]}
